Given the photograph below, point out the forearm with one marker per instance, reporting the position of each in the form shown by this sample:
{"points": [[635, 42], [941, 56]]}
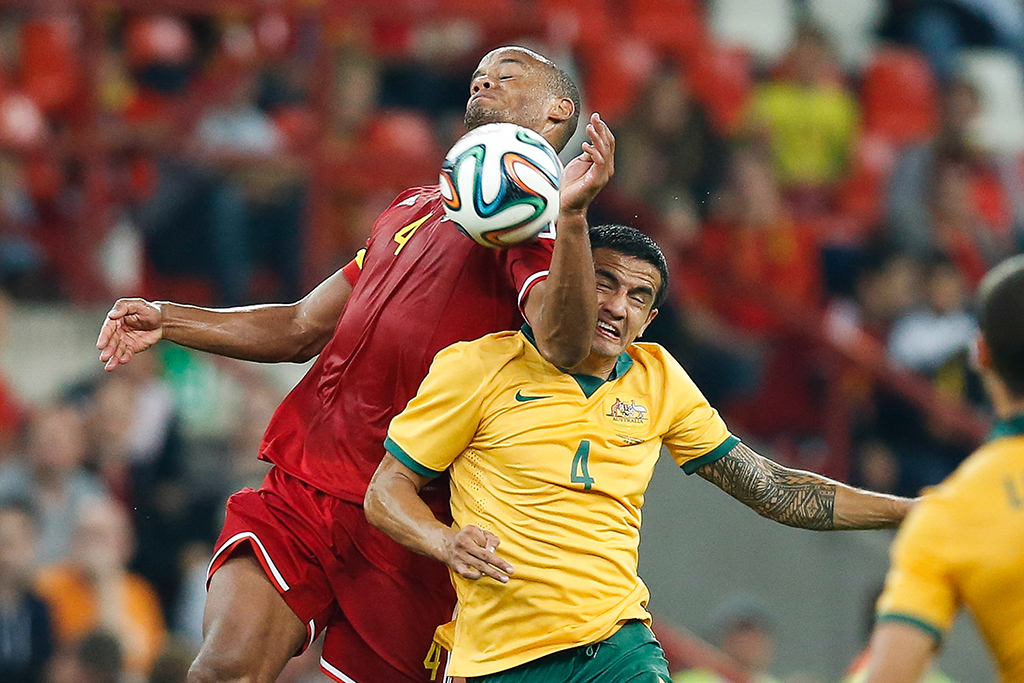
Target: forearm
{"points": [[860, 509], [268, 333], [801, 499], [567, 315], [393, 505]]}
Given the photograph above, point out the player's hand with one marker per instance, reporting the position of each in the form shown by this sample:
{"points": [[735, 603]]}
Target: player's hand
{"points": [[132, 326], [587, 174], [470, 553]]}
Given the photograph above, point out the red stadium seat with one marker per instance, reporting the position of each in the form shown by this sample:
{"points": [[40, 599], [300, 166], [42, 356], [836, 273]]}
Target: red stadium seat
{"points": [[51, 73], [720, 79], [900, 97], [615, 74], [674, 26], [584, 24]]}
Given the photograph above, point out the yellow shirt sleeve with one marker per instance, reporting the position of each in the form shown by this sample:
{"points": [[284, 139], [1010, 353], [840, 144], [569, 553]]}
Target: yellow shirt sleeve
{"points": [[698, 434], [441, 420], [919, 589]]}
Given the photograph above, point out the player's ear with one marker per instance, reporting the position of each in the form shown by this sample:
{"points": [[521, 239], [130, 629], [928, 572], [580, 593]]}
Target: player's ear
{"points": [[561, 110], [981, 353], [650, 319]]}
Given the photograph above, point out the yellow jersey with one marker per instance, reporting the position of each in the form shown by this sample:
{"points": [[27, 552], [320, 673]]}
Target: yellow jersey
{"points": [[556, 466], [963, 544]]}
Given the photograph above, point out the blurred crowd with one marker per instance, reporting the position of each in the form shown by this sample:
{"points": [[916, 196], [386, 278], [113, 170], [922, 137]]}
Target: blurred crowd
{"points": [[830, 181]]}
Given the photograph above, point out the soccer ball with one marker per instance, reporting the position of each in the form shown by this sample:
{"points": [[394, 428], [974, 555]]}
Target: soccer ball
{"points": [[499, 184]]}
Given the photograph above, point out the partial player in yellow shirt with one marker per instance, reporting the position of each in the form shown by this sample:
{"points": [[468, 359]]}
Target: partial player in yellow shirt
{"points": [[553, 465], [964, 544]]}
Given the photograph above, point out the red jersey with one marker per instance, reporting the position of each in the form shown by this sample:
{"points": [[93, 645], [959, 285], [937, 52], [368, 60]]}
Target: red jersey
{"points": [[419, 286]]}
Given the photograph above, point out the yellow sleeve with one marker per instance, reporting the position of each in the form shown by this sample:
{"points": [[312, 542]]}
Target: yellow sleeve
{"points": [[919, 589], [441, 420], [698, 434]]}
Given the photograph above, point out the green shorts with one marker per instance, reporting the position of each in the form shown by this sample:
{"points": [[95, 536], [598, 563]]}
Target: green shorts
{"points": [[631, 655]]}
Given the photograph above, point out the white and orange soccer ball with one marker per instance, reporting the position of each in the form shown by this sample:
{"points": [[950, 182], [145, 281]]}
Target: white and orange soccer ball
{"points": [[500, 184]]}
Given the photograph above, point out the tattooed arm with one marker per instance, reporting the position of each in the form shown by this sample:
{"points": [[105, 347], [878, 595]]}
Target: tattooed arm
{"points": [[801, 499]]}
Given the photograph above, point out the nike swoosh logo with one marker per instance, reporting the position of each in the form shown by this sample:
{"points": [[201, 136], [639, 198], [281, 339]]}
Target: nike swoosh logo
{"points": [[523, 399]]}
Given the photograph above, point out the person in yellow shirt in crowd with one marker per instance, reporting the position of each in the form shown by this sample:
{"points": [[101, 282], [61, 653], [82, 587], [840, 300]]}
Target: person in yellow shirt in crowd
{"points": [[552, 465], [808, 119], [92, 590], [964, 543]]}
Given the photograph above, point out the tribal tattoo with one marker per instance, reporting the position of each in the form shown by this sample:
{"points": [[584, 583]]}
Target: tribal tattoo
{"points": [[790, 497]]}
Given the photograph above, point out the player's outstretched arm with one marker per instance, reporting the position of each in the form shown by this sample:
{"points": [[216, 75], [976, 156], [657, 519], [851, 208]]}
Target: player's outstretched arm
{"points": [[269, 333], [801, 499], [562, 310], [393, 505]]}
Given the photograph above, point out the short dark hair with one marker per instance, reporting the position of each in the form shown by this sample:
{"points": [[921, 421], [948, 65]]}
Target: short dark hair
{"points": [[631, 242], [1001, 319]]}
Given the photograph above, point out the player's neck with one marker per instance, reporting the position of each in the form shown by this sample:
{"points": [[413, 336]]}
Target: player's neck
{"points": [[595, 366], [1004, 403]]}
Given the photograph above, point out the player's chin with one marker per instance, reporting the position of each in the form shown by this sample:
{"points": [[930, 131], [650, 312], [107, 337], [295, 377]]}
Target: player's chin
{"points": [[478, 115], [603, 346]]}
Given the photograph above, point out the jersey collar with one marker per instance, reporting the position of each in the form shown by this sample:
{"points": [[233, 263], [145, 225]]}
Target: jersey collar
{"points": [[588, 383], [1013, 426]]}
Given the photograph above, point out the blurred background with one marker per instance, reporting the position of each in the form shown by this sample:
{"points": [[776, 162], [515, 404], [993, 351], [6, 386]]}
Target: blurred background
{"points": [[830, 180]]}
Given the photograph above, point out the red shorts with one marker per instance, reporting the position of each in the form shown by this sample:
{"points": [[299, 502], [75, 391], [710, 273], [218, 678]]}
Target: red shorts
{"points": [[378, 602]]}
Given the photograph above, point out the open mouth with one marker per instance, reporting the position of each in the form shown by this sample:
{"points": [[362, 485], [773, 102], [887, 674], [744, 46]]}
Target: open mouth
{"points": [[608, 331]]}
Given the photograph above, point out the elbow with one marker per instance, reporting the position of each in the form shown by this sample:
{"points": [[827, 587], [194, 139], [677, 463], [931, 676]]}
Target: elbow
{"points": [[309, 343], [372, 506]]}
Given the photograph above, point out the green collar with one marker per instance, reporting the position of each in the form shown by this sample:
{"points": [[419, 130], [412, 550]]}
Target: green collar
{"points": [[589, 383], [1013, 426]]}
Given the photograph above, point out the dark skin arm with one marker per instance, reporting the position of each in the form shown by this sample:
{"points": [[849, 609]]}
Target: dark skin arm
{"points": [[393, 505], [801, 499], [562, 309], [269, 333]]}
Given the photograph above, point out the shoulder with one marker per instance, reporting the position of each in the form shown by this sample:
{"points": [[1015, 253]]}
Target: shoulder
{"points": [[655, 358], [414, 199], [491, 350]]}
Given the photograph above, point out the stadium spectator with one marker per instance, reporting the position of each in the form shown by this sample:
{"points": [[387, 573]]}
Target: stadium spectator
{"points": [[754, 264], [907, 197], [26, 637], [670, 156], [744, 630], [136, 446], [93, 589], [961, 231], [808, 120], [51, 476], [927, 338]]}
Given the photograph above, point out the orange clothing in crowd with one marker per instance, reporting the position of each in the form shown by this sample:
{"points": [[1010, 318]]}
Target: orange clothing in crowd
{"points": [[75, 608], [777, 263]]}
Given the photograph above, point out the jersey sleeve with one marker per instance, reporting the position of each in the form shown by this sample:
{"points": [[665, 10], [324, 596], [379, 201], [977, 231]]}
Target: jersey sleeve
{"points": [[527, 264], [441, 420], [354, 267], [919, 589], [698, 434]]}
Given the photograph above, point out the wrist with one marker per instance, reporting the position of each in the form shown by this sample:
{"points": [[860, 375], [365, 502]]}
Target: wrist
{"points": [[568, 220]]}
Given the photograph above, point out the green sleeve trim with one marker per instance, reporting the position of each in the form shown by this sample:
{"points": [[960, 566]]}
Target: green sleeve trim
{"points": [[932, 630], [404, 458], [691, 466]]}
